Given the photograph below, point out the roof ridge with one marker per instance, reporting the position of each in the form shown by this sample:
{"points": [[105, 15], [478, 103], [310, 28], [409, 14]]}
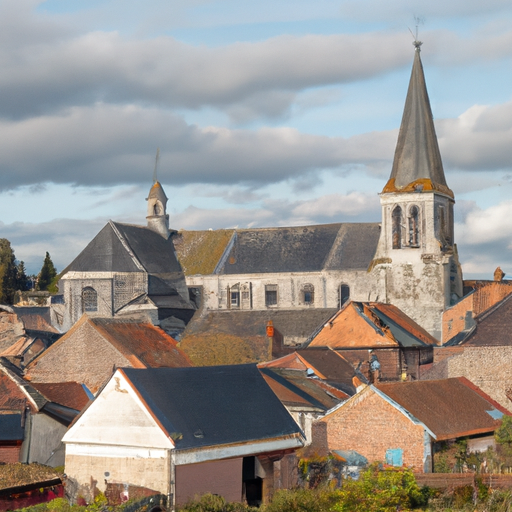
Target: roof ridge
{"points": [[126, 245]]}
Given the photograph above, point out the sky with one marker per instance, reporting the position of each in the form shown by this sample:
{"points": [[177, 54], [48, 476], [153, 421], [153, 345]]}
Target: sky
{"points": [[269, 113]]}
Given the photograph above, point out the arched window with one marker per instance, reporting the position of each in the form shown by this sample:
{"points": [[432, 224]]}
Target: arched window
{"points": [[89, 300], [414, 226], [344, 294], [397, 227]]}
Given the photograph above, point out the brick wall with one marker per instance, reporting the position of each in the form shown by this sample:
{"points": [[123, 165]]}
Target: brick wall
{"points": [[488, 368], [370, 425], [82, 355], [10, 454]]}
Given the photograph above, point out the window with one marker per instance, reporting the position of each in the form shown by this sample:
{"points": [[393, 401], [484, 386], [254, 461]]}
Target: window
{"points": [[397, 227], [308, 294], [344, 294], [414, 226], [235, 299], [271, 295], [89, 300], [394, 457]]}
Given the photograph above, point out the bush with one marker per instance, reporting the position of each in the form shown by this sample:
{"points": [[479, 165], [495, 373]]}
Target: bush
{"points": [[214, 503], [303, 500]]}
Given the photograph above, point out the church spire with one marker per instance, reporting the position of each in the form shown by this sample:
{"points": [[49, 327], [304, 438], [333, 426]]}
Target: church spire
{"points": [[157, 217], [417, 165]]}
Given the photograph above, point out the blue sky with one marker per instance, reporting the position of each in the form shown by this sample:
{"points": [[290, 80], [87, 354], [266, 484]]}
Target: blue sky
{"points": [[265, 113]]}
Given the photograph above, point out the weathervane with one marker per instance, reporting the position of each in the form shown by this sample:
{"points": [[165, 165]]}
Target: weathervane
{"points": [[156, 165], [417, 43]]}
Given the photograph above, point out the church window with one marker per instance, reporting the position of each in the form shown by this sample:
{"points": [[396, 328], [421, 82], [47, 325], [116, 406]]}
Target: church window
{"points": [[414, 226], [271, 295], [397, 227], [89, 300], [234, 296], [308, 294], [344, 295]]}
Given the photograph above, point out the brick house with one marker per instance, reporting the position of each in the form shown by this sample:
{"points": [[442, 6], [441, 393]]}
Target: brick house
{"points": [[91, 350], [400, 423]]}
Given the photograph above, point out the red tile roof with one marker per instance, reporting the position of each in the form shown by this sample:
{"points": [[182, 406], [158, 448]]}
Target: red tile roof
{"points": [[69, 394], [450, 408]]}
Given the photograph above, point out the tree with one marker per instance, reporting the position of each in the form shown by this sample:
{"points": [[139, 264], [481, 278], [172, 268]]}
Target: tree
{"points": [[22, 281], [47, 273], [8, 272]]}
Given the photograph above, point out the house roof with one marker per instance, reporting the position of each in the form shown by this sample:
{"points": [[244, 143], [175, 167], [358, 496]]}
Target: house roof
{"points": [[295, 389], [19, 474], [370, 324], [69, 394], [127, 248], [493, 326], [325, 364], [285, 249], [417, 165], [450, 408], [210, 406]]}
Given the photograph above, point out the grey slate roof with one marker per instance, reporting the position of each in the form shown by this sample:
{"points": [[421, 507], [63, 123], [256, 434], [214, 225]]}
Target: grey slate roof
{"points": [[301, 249], [126, 248], [417, 153], [211, 406]]}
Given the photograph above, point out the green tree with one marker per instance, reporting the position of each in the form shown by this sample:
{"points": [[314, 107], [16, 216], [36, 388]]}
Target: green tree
{"points": [[22, 281], [47, 273], [8, 272]]}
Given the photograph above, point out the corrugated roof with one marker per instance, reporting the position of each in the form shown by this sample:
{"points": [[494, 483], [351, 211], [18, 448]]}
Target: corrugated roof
{"points": [[450, 408], [211, 406], [417, 165], [150, 345], [68, 394]]}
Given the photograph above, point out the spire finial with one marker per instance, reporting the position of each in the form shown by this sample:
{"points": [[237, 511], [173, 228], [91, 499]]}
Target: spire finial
{"points": [[156, 165], [417, 43]]}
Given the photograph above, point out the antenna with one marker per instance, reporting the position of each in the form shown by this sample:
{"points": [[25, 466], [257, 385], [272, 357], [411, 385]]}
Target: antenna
{"points": [[156, 164], [419, 20]]}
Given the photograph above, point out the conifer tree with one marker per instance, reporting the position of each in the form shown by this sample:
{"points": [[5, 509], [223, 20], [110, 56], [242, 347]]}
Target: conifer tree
{"points": [[47, 273], [22, 282], [8, 272]]}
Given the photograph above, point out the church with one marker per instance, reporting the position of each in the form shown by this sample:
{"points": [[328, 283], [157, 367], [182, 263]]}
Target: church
{"points": [[408, 259]]}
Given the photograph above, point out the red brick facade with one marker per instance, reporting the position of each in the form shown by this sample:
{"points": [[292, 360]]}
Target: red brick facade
{"points": [[10, 453], [370, 425]]}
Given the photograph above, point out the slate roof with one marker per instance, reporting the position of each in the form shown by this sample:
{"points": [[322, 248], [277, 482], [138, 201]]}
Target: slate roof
{"points": [[493, 327], [370, 324], [417, 164], [450, 408], [284, 249], [127, 248], [211, 406]]}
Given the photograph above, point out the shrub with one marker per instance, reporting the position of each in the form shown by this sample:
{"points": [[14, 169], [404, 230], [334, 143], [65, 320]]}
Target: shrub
{"points": [[320, 499]]}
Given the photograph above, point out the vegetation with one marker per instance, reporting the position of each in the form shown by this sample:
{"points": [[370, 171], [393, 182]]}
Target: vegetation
{"points": [[12, 274], [47, 274]]}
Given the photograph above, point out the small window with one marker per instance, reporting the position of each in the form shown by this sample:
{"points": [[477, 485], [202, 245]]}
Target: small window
{"points": [[394, 457], [271, 295], [89, 300], [308, 294], [397, 227], [414, 227], [235, 299], [344, 294]]}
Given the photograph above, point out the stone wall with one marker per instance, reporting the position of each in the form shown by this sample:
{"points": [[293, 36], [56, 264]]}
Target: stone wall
{"points": [[488, 368]]}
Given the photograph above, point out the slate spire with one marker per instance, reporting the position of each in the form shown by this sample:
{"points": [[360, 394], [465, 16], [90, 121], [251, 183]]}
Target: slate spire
{"points": [[417, 165], [158, 219]]}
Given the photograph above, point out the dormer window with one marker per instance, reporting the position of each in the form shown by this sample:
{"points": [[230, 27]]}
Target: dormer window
{"points": [[414, 226], [397, 227], [308, 294]]}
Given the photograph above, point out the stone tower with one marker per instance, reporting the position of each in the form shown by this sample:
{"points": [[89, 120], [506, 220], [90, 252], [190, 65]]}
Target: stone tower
{"points": [[416, 258], [157, 217]]}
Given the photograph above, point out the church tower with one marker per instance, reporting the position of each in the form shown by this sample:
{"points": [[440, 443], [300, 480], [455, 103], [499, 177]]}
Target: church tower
{"points": [[158, 219], [416, 258]]}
